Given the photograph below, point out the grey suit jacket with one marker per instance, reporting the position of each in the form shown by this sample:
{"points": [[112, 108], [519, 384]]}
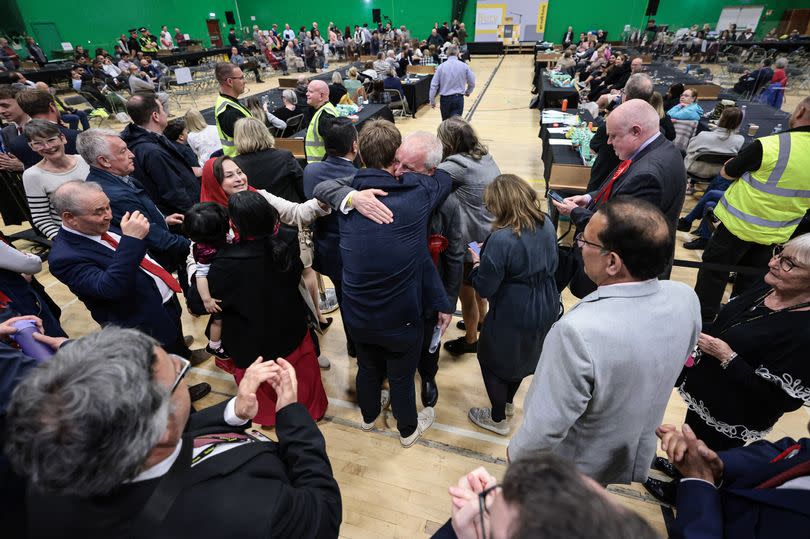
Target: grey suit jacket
{"points": [[605, 376]]}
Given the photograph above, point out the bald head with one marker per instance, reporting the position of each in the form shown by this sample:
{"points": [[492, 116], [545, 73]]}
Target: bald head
{"points": [[317, 94], [801, 114], [630, 125]]}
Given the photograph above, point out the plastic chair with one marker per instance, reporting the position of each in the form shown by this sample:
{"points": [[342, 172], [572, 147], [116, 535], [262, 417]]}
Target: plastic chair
{"points": [[293, 126]]}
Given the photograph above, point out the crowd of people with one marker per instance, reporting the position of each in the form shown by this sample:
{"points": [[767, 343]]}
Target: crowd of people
{"points": [[102, 434]]}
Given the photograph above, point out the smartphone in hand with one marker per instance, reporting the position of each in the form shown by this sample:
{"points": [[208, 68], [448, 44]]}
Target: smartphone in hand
{"points": [[475, 247], [556, 196]]}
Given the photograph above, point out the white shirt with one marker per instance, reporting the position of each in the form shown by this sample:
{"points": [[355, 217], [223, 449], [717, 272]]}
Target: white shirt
{"points": [[165, 292]]}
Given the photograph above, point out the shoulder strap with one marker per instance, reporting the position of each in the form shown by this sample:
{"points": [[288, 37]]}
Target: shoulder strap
{"points": [[160, 502]]}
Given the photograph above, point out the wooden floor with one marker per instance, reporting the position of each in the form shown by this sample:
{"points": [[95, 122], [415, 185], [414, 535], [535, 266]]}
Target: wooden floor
{"points": [[393, 492]]}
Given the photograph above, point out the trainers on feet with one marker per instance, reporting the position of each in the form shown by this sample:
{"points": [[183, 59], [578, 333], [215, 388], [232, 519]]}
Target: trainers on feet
{"points": [[218, 352], [423, 422], [510, 409], [483, 418], [324, 363]]}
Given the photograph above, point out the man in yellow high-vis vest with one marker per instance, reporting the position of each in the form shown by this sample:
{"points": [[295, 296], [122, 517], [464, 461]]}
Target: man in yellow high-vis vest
{"points": [[762, 208], [227, 109], [325, 112]]}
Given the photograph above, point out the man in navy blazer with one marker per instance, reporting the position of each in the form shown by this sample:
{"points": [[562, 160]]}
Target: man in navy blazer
{"points": [[111, 164], [389, 279], [764, 488], [113, 280]]}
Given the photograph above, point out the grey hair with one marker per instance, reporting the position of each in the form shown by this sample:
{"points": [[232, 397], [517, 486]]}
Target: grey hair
{"points": [[801, 247], [639, 86], [93, 143], [85, 421], [40, 129], [452, 50], [781, 62], [67, 197], [431, 145], [290, 96]]}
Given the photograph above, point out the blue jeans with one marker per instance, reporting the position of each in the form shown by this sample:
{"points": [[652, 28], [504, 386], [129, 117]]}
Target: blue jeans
{"points": [[73, 120], [451, 105], [719, 184]]}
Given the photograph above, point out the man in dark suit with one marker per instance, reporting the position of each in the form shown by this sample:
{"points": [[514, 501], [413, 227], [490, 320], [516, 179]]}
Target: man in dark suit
{"points": [[110, 270], [568, 37], [764, 488], [111, 164], [650, 168], [126, 459], [389, 279], [341, 150]]}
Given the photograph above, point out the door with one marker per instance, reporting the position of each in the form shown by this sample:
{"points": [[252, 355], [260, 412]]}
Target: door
{"points": [[214, 32], [48, 37]]}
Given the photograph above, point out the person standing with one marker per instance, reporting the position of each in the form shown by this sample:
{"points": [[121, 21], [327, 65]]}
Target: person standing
{"points": [[325, 112], [760, 210], [453, 80], [228, 109]]}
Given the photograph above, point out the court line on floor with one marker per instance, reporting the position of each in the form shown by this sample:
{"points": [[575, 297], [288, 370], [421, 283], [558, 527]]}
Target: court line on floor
{"points": [[483, 90]]}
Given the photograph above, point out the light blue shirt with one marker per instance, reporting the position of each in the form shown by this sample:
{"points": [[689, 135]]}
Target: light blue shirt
{"points": [[451, 78]]}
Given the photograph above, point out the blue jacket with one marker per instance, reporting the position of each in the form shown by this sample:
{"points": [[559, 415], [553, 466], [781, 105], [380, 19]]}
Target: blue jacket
{"points": [[389, 278], [112, 285], [692, 112], [168, 248], [327, 228], [738, 509]]}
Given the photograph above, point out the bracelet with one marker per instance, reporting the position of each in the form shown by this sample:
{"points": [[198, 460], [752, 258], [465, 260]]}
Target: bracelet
{"points": [[724, 364]]}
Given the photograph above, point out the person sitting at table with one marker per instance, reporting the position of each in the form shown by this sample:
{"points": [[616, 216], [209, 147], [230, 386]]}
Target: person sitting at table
{"points": [[657, 101], [337, 90], [35, 52], [779, 74], [392, 82], [244, 64], [291, 107], [687, 109], [565, 62], [673, 95], [378, 95], [294, 61], [748, 35], [568, 37], [771, 35], [353, 86], [614, 77], [751, 81]]}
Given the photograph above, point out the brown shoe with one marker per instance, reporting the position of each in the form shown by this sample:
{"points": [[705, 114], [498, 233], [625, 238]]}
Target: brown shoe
{"points": [[198, 391], [199, 356]]}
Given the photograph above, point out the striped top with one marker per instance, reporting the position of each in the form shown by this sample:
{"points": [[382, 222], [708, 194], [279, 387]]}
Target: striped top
{"points": [[40, 185]]}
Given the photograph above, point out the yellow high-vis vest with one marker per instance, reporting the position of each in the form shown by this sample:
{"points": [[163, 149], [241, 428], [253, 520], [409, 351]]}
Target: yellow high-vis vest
{"points": [[222, 103], [766, 205], [313, 143]]}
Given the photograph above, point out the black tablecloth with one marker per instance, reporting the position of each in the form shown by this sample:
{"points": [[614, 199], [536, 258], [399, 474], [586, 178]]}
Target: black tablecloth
{"points": [[765, 116], [52, 75], [551, 96], [552, 153], [778, 45], [417, 91]]}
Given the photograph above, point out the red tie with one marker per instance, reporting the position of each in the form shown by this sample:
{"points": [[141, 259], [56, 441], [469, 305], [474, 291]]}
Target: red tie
{"points": [[604, 193], [799, 470], [151, 267]]}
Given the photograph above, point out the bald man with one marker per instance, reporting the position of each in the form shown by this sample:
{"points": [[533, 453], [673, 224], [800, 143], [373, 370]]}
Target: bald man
{"points": [[650, 168], [325, 112]]}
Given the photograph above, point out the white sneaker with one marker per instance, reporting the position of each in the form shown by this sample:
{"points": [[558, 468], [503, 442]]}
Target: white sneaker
{"points": [[385, 400], [423, 422], [483, 418], [324, 363], [510, 409]]}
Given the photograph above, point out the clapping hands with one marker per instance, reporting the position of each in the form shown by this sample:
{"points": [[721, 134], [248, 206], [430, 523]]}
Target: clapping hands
{"points": [[280, 374]]}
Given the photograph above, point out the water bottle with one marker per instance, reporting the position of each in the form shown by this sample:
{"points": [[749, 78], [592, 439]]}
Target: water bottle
{"points": [[30, 346], [744, 110], [777, 129]]}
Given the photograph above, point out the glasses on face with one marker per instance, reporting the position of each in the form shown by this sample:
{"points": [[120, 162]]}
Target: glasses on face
{"points": [[238, 78], [42, 144], [786, 263], [483, 510], [184, 367], [582, 242]]}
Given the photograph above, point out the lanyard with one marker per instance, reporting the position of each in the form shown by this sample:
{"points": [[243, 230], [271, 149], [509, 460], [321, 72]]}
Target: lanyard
{"points": [[761, 301]]}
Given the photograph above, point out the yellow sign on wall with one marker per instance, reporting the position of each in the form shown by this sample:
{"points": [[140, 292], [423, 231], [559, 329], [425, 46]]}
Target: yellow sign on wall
{"points": [[542, 12]]}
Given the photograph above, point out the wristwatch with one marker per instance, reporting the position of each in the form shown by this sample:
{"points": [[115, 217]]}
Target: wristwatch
{"points": [[724, 364]]}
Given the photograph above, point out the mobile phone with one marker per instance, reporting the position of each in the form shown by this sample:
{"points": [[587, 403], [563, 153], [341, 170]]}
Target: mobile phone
{"points": [[556, 196], [435, 339], [474, 246]]}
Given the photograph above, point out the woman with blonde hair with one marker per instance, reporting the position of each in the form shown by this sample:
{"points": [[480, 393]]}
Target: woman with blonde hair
{"points": [[472, 168], [515, 271], [202, 138], [353, 86], [277, 172]]}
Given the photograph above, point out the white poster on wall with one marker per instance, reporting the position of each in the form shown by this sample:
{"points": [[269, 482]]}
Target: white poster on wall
{"points": [[529, 16]]}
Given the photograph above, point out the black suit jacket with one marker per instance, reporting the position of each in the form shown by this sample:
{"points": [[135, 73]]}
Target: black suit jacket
{"points": [[262, 489], [275, 171], [657, 175]]}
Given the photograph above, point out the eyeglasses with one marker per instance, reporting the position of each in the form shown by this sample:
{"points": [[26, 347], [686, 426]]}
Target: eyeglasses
{"points": [[786, 263], [185, 365], [582, 242], [47, 143], [483, 509], [238, 78]]}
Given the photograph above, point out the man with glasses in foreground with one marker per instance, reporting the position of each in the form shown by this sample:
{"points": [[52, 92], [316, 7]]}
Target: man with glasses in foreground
{"points": [[608, 366], [104, 435]]}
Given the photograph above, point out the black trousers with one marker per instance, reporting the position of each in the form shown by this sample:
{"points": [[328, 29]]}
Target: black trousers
{"points": [[451, 105], [391, 354], [429, 362], [499, 391], [337, 281], [726, 248], [178, 346], [714, 439]]}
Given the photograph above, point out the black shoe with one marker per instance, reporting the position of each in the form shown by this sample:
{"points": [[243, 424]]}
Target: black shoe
{"points": [[463, 327], [461, 346], [663, 491], [188, 339], [663, 465], [684, 225], [697, 243], [430, 392], [198, 391], [325, 325], [350, 349], [219, 352], [259, 81]]}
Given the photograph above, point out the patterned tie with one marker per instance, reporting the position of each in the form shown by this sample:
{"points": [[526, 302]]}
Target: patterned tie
{"points": [[604, 193], [149, 266]]}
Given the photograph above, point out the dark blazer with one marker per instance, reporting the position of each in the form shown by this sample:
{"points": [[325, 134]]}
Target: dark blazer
{"points": [[112, 285], [168, 248], [275, 171], [446, 221], [389, 279], [737, 508], [263, 311], [17, 144], [162, 170], [657, 175], [326, 229], [257, 490]]}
